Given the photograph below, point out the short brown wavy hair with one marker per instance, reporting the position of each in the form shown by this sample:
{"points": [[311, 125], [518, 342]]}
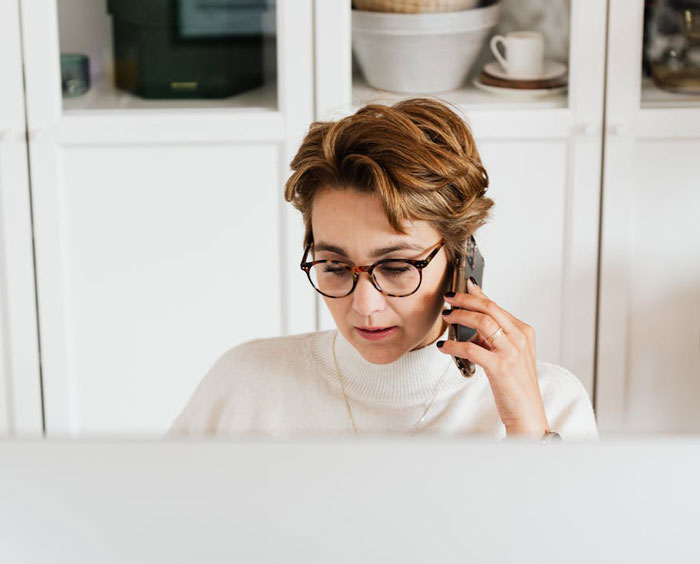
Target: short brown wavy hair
{"points": [[417, 155]]}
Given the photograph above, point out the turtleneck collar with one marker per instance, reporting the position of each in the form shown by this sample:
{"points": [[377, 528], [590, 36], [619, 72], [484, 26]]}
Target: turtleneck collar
{"points": [[409, 380]]}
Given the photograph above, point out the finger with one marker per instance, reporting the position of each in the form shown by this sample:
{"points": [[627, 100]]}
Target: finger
{"points": [[482, 304], [479, 340], [472, 352], [524, 328], [527, 332], [483, 324]]}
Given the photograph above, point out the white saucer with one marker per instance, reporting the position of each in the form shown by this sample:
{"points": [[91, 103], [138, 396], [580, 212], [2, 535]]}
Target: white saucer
{"points": [[552, 69], [519, 92]]}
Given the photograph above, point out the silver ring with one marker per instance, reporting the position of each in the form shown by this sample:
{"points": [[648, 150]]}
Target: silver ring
{"points": [[495, 334]]}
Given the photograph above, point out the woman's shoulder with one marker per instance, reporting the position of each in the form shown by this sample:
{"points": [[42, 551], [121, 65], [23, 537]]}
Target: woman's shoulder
{"points": [[260, 358], [258, 371], [267, 350], [281, 340]]}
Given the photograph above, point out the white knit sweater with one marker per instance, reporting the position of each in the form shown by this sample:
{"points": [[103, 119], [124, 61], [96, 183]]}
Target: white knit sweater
{"points": [[288, 386]]}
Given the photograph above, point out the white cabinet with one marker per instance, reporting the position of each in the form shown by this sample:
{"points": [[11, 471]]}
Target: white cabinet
{"points": [[649, 330], [162, 237], [158, 235]]}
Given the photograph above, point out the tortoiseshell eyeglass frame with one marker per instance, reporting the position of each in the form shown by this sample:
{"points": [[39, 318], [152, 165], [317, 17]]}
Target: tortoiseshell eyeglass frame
{"points": [[419, 264]]}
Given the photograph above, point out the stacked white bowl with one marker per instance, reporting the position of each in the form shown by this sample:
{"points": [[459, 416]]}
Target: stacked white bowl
{"points": [[420, 53]]}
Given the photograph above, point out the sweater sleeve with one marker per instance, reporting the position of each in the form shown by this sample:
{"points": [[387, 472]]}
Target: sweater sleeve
{"points": [[200, 416], [567, 405]]}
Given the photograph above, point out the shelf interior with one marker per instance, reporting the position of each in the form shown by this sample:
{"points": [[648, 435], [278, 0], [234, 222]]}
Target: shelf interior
{"points": [[86, 27], [554, 24]]}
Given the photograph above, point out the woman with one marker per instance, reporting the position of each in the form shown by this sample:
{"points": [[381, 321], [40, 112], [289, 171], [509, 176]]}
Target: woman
{"points": [[405, 183]]}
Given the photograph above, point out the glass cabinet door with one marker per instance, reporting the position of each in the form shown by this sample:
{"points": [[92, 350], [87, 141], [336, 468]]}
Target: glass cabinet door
{"points": [[167, 53], [671, 54], [384, 53]]}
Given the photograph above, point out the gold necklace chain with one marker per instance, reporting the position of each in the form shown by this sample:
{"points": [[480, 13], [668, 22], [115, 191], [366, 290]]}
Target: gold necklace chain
{"points": [[414, 427]]}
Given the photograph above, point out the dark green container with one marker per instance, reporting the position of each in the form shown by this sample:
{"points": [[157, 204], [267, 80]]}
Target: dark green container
{"points": [[187, 48]]}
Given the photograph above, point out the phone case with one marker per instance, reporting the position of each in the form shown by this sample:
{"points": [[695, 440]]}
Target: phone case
{"points": [[468, 263]]}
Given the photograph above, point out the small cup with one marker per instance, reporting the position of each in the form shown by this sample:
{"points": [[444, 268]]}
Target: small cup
{"points": [[524, 56], [75, 74]]}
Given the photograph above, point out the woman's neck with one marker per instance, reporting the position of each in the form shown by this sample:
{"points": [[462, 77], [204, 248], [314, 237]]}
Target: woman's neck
{"points": [[436, 334]]}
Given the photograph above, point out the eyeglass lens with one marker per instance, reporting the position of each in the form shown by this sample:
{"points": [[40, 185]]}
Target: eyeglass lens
{"points": [[396, 278]]}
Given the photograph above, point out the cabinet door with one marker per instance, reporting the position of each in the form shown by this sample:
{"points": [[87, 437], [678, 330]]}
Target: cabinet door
{"points": [[648, 364], [162, 235], [20, 386], [543, 158]]}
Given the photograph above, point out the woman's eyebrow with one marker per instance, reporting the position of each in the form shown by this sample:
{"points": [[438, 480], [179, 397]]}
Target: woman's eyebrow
{"points": [[321, 246]]}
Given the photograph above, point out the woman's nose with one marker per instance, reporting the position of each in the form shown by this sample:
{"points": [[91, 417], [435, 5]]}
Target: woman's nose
{"points": [[366, 298]]}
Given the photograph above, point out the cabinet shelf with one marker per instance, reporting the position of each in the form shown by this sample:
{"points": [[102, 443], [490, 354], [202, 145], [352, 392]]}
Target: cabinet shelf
{"points": [[468, 97], [654, 97], [107, 115], [103, 95]]}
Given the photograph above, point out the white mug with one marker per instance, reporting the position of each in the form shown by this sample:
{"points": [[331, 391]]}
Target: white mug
{"points": [[524, 53]]}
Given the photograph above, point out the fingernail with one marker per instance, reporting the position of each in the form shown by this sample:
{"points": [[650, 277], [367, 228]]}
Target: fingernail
{"points": [[473, 281], [446, 311], [449, 294], [440, 343]]}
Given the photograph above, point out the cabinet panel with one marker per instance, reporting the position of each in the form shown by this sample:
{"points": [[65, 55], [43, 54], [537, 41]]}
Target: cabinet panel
{"points": [[20, 378], [152, 261], [663, 319], [648, 358]]}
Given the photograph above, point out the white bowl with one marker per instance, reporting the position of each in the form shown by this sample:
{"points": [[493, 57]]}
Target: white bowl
{"points": [[420, 53], [414, 6]]}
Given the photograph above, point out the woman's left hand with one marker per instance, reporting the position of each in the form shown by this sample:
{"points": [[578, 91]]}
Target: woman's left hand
{"points": [[509, 360]]}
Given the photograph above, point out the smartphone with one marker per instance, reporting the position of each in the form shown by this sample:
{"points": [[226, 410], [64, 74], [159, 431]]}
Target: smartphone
{"points": [[468, 262]]}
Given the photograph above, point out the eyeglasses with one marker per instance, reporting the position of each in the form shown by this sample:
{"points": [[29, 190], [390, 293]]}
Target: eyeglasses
{"points": [[394, 277]]}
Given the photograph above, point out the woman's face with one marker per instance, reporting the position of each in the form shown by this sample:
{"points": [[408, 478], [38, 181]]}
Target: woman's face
{"points": [[355, 222]]}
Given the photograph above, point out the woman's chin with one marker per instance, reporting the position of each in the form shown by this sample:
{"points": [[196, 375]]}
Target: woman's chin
{"points": [[376, 357], [382, 351]]}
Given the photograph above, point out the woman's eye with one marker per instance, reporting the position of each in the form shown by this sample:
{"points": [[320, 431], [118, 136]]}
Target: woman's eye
{"points": [[391, 270]]}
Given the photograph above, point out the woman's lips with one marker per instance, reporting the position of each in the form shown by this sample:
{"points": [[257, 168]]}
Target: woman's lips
{"points": [[376, 335]]}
